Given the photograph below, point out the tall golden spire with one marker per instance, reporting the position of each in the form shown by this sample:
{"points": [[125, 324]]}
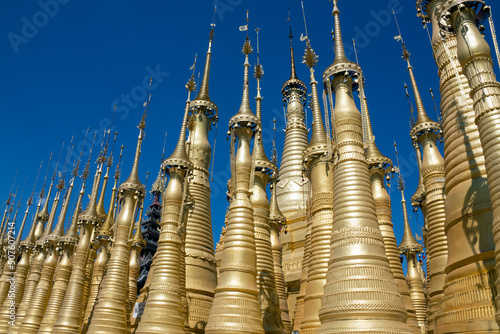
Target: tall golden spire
{"points": [[319, 167], [164, 310], [237, 283], [69, 319], [318, 143], [245, 114], [66, 247], [463, 153], [293, 74], [199, 242], [104, 240], [28, 204], [43, 215], [423, 120], [427, 132], [259, 154], [38, 303], [411, 247], [110, 311], [380, 166], [263, 168], [109, 163], [358, 261], [202, 102]]}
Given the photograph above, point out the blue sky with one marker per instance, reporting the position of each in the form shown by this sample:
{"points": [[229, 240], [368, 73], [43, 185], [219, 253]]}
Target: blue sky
{"points": [[66, 63]]}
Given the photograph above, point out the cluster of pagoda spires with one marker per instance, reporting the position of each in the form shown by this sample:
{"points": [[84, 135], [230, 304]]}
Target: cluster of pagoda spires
{"points": [[88, 278]]}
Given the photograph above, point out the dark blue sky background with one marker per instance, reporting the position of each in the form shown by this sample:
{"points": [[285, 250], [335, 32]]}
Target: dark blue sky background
{"points": [[63, 72]]}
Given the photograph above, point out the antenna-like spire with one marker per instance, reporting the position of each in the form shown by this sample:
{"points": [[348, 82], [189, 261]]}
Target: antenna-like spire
{"points": [[319, 137], [259, 153], [409, 243], [90, 213], [245, 113], [293, 74], [105, 229], [422, 116], [179, 157], [133, 179], [339, 46], [203, 92]]}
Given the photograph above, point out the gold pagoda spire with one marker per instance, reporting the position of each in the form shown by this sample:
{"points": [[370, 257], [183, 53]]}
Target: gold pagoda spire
{"points": [[43, 215], [423, 120], [408, 243], [358, 261], [110, 310], [293, 74], [69, 319], [237, 284], [7, 267], [102, 255], [164, 310], [201, 272], [259, 153], [463, 153], [263, 168], [109, 163], [380, 166], [202, 101], [427, 132], [411, 247], [66, 247], [28, 205], [319, 167], [36, 266], [38, 303], [319, 141]]}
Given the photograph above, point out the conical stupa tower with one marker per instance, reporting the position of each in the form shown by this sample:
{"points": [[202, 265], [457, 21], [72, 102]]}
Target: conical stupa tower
{"points": [[10, 265], [380, 166], [201, 272], [235, 307], [474, 55], [21, 272], [318, 159], [293, 186], [164, 310], [70, 317], [103, 249], [411, 248], [360, 293], [263, 168], [38, 262], [426, 132], [38, 304], [110, 312], [468, 215], [67, 246]]}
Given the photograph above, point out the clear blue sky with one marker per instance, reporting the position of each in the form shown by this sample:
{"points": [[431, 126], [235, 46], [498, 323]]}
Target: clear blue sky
{"points": [[64, 67]]}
